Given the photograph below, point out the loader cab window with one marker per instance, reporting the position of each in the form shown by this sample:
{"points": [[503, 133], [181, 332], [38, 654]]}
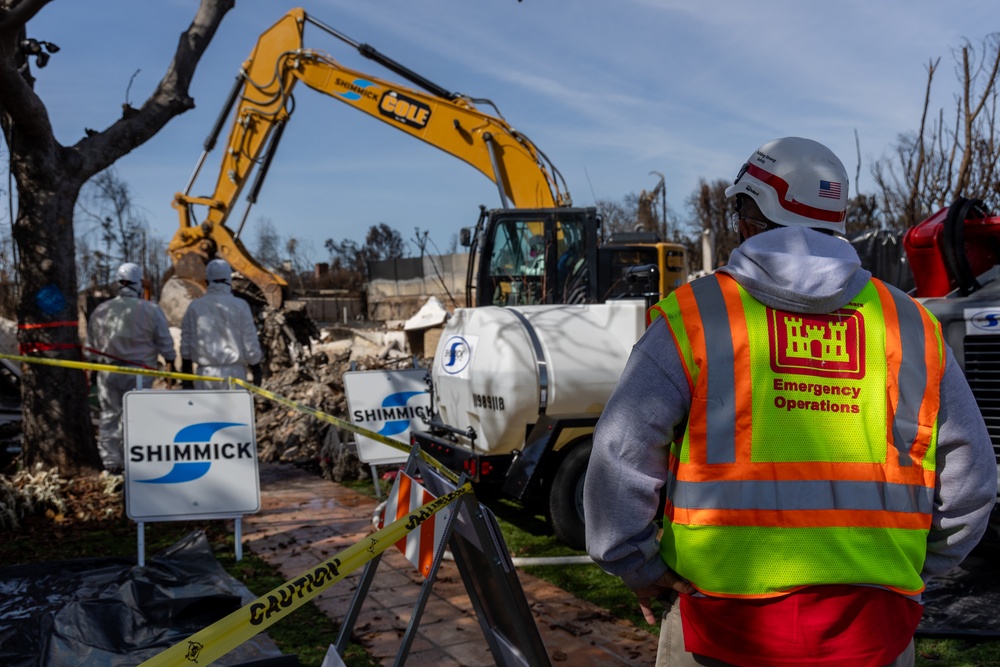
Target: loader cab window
{"points": [[532, 265]]}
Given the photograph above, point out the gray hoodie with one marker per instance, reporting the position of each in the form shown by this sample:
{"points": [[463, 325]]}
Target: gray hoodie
{"points": [[793, 269]]}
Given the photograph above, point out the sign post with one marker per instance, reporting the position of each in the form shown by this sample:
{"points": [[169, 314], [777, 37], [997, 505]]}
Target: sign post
{"points": [[190, 455]]}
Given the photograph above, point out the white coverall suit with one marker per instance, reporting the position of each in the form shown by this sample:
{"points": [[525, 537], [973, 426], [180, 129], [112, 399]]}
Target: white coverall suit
{"points": [[128, 329], [219, 335]]}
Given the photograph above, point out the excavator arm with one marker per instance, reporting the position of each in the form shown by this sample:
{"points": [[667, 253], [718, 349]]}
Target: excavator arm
{"points": [[261, 103]]}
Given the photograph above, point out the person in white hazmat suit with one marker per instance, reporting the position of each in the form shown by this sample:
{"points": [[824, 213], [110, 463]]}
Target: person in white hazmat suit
{"points": [[125, 331], [218, 333]]}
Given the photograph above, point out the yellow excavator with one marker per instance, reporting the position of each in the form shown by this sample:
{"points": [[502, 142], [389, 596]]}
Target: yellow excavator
{"points": [[536, 224]]}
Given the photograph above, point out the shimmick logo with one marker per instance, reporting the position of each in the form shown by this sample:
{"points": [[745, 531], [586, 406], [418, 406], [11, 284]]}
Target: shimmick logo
{"points": [[457, 355], [830, 345], [394, 412], [192, 452]]}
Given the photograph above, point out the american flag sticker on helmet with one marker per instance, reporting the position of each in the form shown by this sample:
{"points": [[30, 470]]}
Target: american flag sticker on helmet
{"points": [[420, 545], [829, 189]]}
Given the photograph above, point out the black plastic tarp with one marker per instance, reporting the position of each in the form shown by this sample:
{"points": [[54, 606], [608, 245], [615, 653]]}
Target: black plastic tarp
{"points": [[881, 252], [109, 612], [966, 601]]}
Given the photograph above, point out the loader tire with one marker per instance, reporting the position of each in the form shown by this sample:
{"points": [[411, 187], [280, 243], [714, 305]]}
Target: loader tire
{"points": [[566, 497]]}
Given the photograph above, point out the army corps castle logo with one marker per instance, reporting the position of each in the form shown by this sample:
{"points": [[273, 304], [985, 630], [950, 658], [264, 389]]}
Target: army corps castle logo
{"points": [[831, 345]]}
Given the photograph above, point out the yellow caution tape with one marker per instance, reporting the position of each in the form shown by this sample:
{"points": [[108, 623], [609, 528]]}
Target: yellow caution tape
{"points": [[108, 368], [322, 416], [213, 642], [348, 426], [216, 640]]}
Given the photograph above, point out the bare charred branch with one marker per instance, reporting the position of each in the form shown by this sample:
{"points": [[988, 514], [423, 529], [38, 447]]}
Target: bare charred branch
{"points": [[969, 77], [943, 159], [169, 99], [17, 14], [991, 79], [19, 105], [912, 208]]}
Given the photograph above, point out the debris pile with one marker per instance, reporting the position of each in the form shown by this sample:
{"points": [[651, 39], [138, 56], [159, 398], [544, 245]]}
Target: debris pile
{"points": [[44, 493], [309, 375], [285, 334], [291, 436]]}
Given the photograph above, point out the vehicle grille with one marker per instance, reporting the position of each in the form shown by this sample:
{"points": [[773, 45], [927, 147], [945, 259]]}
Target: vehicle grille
{"points": [[982, 368]]}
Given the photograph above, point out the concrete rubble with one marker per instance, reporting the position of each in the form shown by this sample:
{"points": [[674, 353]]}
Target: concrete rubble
{"points": [[290, 436]]}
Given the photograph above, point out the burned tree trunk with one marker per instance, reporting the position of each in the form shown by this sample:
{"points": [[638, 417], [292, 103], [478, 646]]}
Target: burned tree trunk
{"points": [[57, 424], [57, 428]]}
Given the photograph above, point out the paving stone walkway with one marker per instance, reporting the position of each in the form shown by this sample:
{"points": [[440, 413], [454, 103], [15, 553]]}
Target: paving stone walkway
{"points": [[304, 520]]}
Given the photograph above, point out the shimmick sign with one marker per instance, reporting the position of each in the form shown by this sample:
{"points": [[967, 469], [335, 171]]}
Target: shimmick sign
{"points": [[190, 455], [391, 403]]}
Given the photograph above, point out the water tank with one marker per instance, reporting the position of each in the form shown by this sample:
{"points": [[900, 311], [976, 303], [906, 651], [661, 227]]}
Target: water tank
{"points": [[496, 369]]}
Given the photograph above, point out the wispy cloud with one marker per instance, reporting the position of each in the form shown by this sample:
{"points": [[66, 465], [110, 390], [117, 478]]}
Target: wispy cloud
{"points": [[609, 90]]}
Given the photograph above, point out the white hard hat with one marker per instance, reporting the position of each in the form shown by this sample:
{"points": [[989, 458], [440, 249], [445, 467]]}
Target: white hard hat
{"points": [[219, 269], [129, 274], [796, 181]]}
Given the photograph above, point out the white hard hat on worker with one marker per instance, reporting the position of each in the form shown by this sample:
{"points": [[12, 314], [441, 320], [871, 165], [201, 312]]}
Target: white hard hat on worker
{"points": [[129, 273], [129, 277], [796, 181]]}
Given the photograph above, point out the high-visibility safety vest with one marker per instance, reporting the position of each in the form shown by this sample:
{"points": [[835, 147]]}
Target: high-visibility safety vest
{"points": [[808, 453]]}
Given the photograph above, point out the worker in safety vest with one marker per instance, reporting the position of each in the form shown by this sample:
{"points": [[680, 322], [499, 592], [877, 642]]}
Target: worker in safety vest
{"points": [[820, 452], [218, 333], [124, 331]]}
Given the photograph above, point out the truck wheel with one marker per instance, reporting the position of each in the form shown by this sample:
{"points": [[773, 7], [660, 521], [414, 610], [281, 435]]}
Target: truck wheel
{"points": [[566, 497]]}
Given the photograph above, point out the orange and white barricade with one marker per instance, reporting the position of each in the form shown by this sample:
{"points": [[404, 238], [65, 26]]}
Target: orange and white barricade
{"points": [[421, 544]]}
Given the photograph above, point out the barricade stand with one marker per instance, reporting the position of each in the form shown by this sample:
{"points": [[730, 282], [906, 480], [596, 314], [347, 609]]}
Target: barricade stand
{"points": [[491, 580], [486, 569], [361, 592]]}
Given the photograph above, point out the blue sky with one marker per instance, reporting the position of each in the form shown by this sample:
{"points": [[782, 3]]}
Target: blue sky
{"points": [[610, 90]]}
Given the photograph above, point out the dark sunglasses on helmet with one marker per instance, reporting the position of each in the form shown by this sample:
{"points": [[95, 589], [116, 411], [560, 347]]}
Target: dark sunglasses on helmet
{"points": [[743, 170]]}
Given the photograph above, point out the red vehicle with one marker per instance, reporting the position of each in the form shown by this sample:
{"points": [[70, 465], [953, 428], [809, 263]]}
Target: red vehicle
{"points": [[955, 259]]}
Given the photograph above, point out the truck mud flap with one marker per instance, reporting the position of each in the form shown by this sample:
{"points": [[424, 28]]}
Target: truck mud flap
{"points": [[528, 467]]}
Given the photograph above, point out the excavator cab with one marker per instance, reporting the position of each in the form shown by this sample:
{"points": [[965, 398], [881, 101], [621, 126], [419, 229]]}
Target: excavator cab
{"points": [[533, 256]]}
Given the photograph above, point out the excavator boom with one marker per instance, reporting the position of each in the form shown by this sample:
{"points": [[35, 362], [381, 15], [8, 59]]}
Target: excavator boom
{"points": [[260, 105]]}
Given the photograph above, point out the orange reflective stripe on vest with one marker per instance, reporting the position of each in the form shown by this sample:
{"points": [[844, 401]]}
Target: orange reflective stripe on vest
{"points": [[804, 429]]}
